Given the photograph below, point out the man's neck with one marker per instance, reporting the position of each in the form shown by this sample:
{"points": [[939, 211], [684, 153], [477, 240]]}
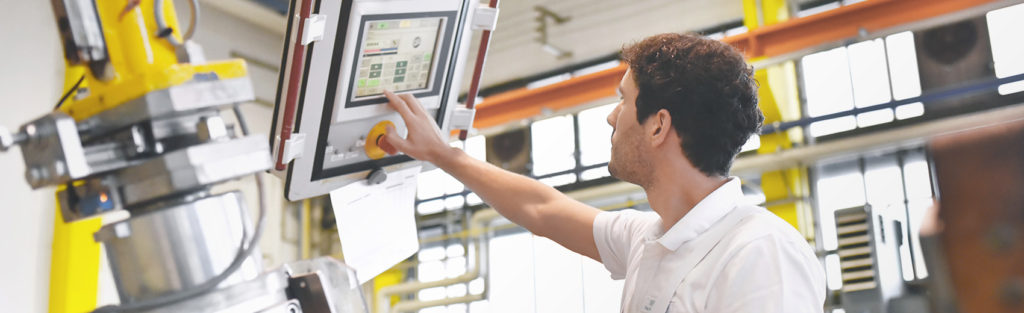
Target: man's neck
{"points": [[673, 196]]}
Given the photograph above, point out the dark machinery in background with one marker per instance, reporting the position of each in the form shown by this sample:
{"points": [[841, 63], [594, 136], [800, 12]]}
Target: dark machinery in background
{"points": [[973, 245]]}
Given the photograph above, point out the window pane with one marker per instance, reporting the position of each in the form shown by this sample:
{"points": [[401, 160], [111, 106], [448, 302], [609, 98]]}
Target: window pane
{"points": [[874, 118], [430, 207], [454, 267], [436, 293], [869, 72], [909, 110], [476, 147], [595, 173], [1004, 26], [454, 202], [430, 184], [431, 254], [511, 267], [554, 145], [827, 82], [906, 80], [832, 126], [455, 250], [595, 135], [601, 294], [559, 180], [559, 277], [919, 182], [430, 271], [884, 186], [473, 199]]}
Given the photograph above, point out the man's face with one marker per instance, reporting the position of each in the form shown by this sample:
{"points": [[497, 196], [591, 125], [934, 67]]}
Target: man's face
{"points": [[628, 148]]}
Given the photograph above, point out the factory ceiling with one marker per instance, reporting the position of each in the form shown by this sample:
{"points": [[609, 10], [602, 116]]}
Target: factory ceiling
{"points": [[536, 36]]}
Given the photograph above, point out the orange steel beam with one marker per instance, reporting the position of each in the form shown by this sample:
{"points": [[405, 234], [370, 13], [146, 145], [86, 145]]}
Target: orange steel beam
{"points": [[526, 103], [768, 41], [841, 23]]}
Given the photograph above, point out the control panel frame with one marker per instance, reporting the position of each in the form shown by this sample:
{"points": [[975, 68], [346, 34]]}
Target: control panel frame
{"points": [[329, 156]]}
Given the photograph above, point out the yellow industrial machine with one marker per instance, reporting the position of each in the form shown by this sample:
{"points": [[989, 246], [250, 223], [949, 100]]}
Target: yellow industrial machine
{"points": [[139, 129]]}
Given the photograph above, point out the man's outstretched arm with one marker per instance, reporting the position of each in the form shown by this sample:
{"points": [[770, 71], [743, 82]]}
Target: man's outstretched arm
{"points": [[539, 208]]}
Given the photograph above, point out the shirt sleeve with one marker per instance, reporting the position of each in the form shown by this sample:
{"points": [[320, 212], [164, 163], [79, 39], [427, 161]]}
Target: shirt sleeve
{"points": [[615, 233], [769, 274]]}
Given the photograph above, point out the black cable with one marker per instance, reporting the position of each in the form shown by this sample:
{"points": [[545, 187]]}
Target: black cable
{"points": [[166, 32], [70, 91], [244, 250]]}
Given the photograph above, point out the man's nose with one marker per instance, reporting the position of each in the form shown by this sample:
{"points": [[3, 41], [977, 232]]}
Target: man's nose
{"points": [[611, 116]]}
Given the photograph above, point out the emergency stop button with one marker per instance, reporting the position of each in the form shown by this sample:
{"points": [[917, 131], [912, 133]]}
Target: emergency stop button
{"points": [[372, 146]]}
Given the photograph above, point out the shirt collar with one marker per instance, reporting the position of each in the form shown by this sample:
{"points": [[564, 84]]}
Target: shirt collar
{"points": [[708, 211]]}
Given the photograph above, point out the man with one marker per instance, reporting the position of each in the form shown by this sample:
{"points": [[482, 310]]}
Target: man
{"points": [[687, 106]]}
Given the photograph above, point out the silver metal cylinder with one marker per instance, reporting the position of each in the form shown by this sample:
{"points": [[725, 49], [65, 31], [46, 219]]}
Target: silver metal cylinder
{"points": [[178, 247]]}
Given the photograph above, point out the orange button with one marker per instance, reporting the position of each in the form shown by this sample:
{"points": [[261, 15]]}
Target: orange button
{"points": [[372, 146]]}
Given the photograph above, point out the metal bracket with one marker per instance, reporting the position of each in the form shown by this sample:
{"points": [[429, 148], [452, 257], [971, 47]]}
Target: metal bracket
{"points": [[293, 147], [462, 118], [314, 28], [485, 18]]}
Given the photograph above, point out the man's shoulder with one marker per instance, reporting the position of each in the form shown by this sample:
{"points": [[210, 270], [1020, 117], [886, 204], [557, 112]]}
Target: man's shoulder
{"points": [[762, 224], [634, 216], [634, 221]]}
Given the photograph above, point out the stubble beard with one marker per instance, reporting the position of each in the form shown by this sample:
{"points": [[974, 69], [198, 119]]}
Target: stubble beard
{"points": [[628, 164]]}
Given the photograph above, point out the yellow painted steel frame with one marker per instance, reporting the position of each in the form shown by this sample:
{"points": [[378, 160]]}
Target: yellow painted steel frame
{"points": [[142, 62], [74, 265], [786, 190]]}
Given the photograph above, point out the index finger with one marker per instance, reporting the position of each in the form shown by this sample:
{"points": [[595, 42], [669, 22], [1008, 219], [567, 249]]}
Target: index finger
{"points": [[414, 105], [398, 104]]}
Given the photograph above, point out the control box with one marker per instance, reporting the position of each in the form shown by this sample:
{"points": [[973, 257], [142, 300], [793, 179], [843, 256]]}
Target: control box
{"points": [[338, 59]]}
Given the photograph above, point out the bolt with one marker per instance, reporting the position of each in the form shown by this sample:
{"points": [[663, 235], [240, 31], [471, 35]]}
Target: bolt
{"points": [[34, 175], [30, 129]]}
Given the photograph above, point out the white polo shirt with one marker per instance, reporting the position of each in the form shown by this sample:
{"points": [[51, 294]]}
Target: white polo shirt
{"points": [[758, 263]]}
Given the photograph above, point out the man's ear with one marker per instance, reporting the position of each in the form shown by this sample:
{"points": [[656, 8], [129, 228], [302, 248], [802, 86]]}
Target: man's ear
{"points": [[661, 128]]}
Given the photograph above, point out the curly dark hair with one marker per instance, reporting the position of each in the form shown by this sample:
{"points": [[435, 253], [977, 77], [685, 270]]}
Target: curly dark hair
{"points": [[708, 89]]}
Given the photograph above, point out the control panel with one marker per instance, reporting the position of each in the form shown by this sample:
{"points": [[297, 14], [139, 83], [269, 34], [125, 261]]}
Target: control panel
{"points": [[338, 61]]}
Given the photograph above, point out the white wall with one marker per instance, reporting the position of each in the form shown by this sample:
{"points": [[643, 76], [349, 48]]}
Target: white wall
{"points": [[31, 78], [31, 81]]}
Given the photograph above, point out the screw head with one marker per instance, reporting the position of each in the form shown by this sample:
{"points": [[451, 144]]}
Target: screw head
{"points": [[34, 175]]}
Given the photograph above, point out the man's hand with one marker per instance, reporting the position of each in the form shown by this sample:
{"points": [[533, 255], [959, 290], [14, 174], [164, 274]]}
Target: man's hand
{"points": [[424, 139], [527, 202]]}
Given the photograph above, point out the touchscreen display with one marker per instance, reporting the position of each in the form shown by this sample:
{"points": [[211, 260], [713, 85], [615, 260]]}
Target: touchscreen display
{"points": [[396, 55]]}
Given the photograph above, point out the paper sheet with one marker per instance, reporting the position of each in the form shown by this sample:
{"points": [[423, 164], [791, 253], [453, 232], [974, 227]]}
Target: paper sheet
{"points": [[377, 223]]}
